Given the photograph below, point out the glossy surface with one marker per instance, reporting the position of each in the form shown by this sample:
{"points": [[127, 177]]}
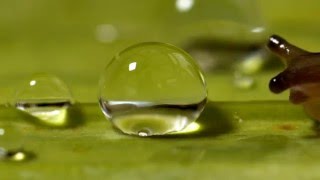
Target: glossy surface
{"points": [[301, 76], [156, 81]]}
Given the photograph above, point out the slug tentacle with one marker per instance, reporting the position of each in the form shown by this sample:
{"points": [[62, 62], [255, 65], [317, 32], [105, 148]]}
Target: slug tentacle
{"points": [[279, 83], [284, 49]]}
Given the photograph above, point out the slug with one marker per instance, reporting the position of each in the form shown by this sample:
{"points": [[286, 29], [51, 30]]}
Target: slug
{"points": [[301, 75]]}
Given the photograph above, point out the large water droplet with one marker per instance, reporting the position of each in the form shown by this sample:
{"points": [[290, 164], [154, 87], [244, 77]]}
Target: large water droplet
{"points": [[45, 97], [152, 86]]}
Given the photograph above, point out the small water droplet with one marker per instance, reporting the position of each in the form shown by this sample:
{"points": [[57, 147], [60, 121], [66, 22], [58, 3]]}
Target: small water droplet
{"points": [[2, 132], [45, 97], [19, 155], [16, 156], [243, 81], [237, 117], [106, 33], [184, 5], [247, 67], [252, 63], [3, 153], [136, 94]]}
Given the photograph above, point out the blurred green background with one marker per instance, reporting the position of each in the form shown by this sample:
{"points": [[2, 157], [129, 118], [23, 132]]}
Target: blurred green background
{"points": [[76, 39]]}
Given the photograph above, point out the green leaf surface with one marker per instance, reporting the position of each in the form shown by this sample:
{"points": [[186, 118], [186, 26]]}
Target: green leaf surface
{"points": [[235, 139]]}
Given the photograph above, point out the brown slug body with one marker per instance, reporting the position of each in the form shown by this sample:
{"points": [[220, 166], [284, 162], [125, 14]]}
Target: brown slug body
{"points": [[301, 76]]}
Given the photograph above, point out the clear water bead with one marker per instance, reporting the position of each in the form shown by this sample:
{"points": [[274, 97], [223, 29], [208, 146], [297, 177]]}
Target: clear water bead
{"points": [[45, 97], [18, 155], [152, 89]]}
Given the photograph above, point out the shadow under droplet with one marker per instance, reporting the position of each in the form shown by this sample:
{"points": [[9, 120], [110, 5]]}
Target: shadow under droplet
{"points": [[212, 122], [71, 118]]}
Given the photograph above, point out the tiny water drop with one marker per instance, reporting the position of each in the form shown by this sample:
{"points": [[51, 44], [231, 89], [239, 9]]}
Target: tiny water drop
{"points": [[106, 33], [247, 67], [19, 155], [243, 81], [2, 131], [252, 63], [2, 153], [45, 97]]}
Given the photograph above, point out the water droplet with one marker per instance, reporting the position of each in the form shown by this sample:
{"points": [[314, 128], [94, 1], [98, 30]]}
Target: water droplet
{"points": [[153, 86], [243, 81], [19, 155], [2, 132], [45, 97], [3, 153], [251, 63], [106, 33], [184, 5], [247, 67], [237, 117], [16, 156]]}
